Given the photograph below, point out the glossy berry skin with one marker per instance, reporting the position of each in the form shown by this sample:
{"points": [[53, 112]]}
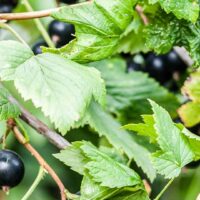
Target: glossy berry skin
{"points": [[193, 164], [12, 3], [5, 8], [156, 67], [37, 47], [135, 63], [174, 62], [11, 169], [69, 1], [61, 33]]}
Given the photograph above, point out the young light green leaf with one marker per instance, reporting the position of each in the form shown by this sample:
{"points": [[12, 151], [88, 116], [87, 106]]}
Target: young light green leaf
{"points": [[62, 88], [7, 109], [99, 25], [184, 9], [175, 150], [108, 172], [189, 112], [144, 129], [107, 126]]}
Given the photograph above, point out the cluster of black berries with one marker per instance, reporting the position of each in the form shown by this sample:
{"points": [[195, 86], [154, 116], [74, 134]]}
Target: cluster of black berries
{"points": [[11, 169], [160, 67], [61, 33], [6, 6]]}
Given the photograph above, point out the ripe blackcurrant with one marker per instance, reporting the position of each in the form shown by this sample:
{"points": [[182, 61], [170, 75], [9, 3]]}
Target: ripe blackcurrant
{"points": [[157, 68], [11, 169], [5, 8], [174, 62], [61, 33], [12, 3], [37, 47], [69, 1], [135, 63], [193, 164]]}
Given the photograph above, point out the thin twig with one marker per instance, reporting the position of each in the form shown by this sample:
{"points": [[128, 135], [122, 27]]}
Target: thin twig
{"points": [[41, 161], [36, 182], [40, 26], [40, 127], [27, 15], [34, 14], [164, 189], [10, 29]]}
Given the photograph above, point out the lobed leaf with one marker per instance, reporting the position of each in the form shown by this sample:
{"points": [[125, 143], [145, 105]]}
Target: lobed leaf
{"points": [[99, 25], [62, 88]]}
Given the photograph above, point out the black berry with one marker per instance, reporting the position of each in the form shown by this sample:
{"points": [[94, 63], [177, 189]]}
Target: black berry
{"points": [[69, 1], [61, 33], [174, 62], [135, 63], [12, 3], [5, 8], [156, 67], [193, 164], [37, 47], [11, 169]]}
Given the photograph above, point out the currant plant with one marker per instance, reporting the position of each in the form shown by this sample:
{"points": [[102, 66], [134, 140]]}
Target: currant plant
{"points": [[83, 67]]}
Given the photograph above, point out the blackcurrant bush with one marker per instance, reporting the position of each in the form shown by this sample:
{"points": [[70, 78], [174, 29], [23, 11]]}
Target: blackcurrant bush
{"points": [[12, 3], [69, 1], [5, 8], [157, 68], [61, 33], [174, 62], [11, 169], [37, 47], [135, 63]]}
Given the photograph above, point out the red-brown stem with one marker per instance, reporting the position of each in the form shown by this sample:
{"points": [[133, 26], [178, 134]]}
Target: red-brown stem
{"points": [[40, 160], [142, 15]]}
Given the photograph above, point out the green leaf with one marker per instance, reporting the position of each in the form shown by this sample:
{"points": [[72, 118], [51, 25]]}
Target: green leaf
{"points": [[133, 40], [165, 31], [62, 88], [183, 9], [93, 191], [99, 25], [144, 129], [108, 172], [72, 156], [125, 90], [175, 150], [189, 112], [103, 169], [7, 109], [105, 125], [193, 139]]}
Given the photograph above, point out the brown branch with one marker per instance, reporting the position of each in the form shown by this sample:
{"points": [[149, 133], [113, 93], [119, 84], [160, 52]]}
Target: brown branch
{"points": [[40, 127], [27, 15], [40, 160]]}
